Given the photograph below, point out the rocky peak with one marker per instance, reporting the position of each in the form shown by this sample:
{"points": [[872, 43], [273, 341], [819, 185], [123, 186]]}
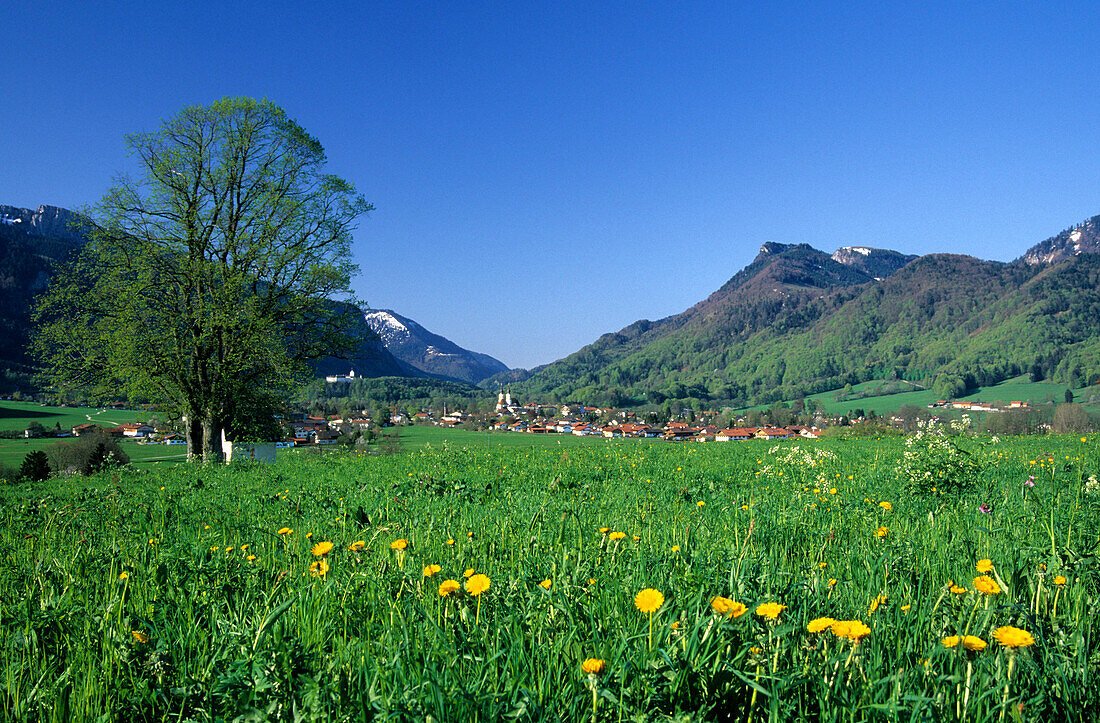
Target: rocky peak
{"points": [[1083, 238]]}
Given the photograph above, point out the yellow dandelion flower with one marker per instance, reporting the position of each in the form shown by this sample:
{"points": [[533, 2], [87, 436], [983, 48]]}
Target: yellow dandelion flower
{"points": [[822, 565], [1059, 580], [832, 490], [229, 549], [593, 666], [153, 541], [832, 581], [322, 548], [399, 544], [616, 536], [675, 548], [958, 590], [770, 610], [477, 584], [984, 565], [250, 558], [882, 532], [853, 630], [591, 581], [649, 600], [318, 568], [123, 575], [728, 608], [744, 507], [309, 535], [986, 584], [970, 642], [140, 636], [545, 584], [449, 587], [1011, 637], [605, 530], [905, 608], [468, 571], [450, 540], [284, 531], [430, 570], [879, 600], [885, 505], [357, 546], [701, 503], [820, 625]]}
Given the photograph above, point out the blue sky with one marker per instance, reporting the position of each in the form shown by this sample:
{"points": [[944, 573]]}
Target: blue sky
{"points": [[545, 173]]}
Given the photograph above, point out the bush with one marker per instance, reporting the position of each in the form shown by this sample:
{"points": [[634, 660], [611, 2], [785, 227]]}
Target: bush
{"points": [[88, 454]]}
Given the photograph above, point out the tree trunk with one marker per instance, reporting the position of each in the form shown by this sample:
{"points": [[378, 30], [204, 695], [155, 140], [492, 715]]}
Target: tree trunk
{"points": [[211, 441]]}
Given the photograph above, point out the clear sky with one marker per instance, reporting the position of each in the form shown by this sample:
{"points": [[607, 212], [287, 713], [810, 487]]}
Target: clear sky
{"points": [[547, 172]]}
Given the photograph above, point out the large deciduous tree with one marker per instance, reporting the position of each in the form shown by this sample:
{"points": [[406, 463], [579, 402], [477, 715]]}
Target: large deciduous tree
{"points": [[210, 277]]}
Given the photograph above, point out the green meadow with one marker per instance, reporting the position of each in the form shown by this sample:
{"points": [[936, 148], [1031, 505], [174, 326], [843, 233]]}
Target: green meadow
{"points": [[472, 577]]}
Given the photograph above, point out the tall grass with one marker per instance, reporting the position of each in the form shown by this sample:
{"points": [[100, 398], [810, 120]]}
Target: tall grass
{"points": [[134, 595]]}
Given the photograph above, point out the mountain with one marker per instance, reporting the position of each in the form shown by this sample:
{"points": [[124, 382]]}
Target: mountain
{"points": [[1081, 239], [876, 263], [31, 242], [797, 321], [429, 353]]}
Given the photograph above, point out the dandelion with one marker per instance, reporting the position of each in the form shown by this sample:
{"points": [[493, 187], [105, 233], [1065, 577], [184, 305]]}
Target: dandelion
{"points": [[770, 610], [399, 544], [879, 600], [637, 538], [250, 558], [984, 565], [140, 636], [545, 584], [153, 541], [905, 608], [958, 590], [853, 630], [450, 541], [309, 535], [1013, 638], [700, 503], [430, 570], [822, 565], [357, 546], [882, 532], [123, 575], [1059, 581], [820, 625], [467, 572], [649, 601], [616, 536], [477, 584], [970, 642], [284, 531], [229, 549], [744, 507], [986, 584], [449, 587], [885, 505], [675, 548], [832, 581], [593, 666], [318, 568], [605, 530], [322, 548], [728, 608]]}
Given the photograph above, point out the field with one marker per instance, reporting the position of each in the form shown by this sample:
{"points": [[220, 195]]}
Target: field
{"points": [[467, 578]]}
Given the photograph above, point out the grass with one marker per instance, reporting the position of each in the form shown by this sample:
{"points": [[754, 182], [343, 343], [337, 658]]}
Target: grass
{"points": [[197, 592]]}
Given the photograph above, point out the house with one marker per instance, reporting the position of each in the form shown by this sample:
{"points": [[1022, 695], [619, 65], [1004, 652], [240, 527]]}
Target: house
{"points": [[135, 429], [735, 434], [81, 429], [772, 433]]}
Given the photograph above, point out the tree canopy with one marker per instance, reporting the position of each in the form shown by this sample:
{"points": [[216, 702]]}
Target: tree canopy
{"points": [[211, 277]]}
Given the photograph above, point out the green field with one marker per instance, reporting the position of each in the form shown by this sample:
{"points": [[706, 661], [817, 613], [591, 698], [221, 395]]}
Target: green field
{"points": [[17, 415], [1018, 388], [191, 592]]}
